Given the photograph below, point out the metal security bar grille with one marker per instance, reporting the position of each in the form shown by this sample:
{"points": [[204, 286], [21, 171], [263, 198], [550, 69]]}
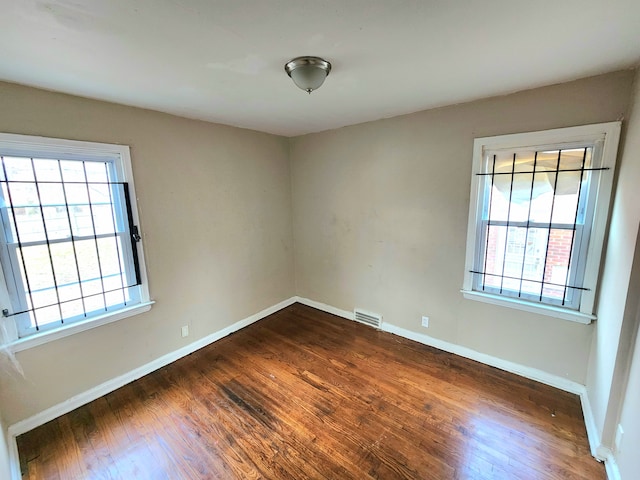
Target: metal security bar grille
{"points": [[68, 243], [533, 237]]}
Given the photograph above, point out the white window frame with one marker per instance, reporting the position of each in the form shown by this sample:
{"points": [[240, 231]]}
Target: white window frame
{"points": [[604, 137], [43, 147]]}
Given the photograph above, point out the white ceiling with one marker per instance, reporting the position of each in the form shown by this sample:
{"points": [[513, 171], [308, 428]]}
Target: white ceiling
{"points": [[223, 61]]}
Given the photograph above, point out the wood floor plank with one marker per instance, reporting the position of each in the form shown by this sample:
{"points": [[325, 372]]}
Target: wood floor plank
{"points": [[304, 394]]}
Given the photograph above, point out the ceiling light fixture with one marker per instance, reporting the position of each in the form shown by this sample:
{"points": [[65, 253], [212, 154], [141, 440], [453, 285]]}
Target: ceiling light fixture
{"points": [[308, 73]]}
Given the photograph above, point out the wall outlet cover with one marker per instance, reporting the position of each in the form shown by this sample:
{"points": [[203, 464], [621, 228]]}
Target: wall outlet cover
{"points": [[425, 322]]}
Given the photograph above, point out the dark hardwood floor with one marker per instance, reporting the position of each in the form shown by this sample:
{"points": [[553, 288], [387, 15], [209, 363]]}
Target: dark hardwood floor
{"points": [[303, 394]]}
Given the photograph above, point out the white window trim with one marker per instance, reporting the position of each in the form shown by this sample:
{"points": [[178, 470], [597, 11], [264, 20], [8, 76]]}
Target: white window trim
{"points": [[15, 143], [77, 327], [609, 133], [542, 309]]}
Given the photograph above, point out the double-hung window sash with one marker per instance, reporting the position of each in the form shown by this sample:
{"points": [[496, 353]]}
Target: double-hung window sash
{"points": [[538, 218], [67, 242], [532, 238]]}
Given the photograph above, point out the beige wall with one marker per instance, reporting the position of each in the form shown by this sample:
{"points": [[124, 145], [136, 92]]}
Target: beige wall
{"points": [[612, 344], [627, 456], [380, 219], [215, 212]]}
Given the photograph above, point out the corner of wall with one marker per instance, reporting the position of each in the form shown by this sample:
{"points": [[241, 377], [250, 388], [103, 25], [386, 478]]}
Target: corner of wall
{"points": [[294, 254], [609, 356]]}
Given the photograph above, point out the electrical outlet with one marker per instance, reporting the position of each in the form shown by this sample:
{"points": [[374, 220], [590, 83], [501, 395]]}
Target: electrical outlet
{"points": [[425, 322], [185, 331]]}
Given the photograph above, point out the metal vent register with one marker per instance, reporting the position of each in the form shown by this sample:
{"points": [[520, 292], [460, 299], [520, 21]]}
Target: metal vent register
{"points": [[368, 318]]}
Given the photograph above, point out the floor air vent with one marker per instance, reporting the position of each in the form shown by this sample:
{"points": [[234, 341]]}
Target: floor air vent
{"points": [[368, 318]]}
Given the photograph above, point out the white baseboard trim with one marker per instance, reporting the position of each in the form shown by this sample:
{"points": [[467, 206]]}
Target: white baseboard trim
{"points": [[598, 451], [590, 424], [611, 466], [326, 308], [98, 391], [14, 460]]}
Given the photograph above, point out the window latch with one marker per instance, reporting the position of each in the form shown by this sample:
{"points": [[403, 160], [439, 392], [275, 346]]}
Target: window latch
{"points": [[135, 234]]}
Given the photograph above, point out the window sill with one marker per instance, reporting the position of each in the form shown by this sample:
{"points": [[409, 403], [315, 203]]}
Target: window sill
{"points": [[548, 310], [77, 327]]}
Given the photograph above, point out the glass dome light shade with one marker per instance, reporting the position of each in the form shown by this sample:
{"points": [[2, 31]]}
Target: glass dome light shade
{"points": [[308, 73]]}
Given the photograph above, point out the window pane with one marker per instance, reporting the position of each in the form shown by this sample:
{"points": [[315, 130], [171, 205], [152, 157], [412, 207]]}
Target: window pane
{"points": [[566, 198], [114, 282], [520, 196], [41, 271], [110, 260], [72, 171], [99, 193], [533, 261], [47, 315], [18, 169], [547, 161], [72, 309], [543, 204], [46, 170], [494, 255], [81, 223], [508, 162], [573, 159], [516, 252], [64, 264], [514, 257], [37, 268], [499, 207], [87, 259], [44, 297], [7, 216], [30, 226], [103, 219], [23, 194], [94, 303], [25, 212], [115, 298], [558, 262], [51, 194], [96, 171], [77, 194], [91, 287], [57, 222]]}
